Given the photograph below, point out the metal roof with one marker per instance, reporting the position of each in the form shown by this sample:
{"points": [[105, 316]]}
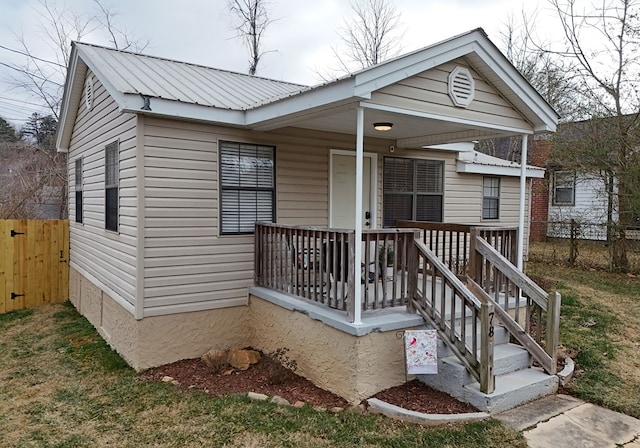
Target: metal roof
{"points": [[132, 73]]}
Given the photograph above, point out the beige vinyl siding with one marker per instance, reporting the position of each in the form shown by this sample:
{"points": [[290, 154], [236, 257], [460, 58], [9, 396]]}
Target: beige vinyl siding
{"points": [[188, 265], [108, 256], [428, 92]]}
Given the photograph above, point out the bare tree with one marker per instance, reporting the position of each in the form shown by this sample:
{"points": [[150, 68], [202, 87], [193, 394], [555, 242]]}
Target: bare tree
{"points": [[39, 173], [371, 36], [253, 19], [43, 77], [600, 46]]}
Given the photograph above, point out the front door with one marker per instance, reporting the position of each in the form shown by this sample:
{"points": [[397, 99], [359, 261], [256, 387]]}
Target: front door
{"points": [[343, 191]]}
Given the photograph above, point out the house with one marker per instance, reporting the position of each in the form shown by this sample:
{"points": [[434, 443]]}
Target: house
{"points": [[171, 165], [588, 199]]}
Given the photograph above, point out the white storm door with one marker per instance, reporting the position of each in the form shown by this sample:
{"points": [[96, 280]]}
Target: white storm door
{"points": [[343, 191]]}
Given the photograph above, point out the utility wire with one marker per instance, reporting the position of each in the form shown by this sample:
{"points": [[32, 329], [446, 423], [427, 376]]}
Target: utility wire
{"points": [[31, 56], [30, 74]]}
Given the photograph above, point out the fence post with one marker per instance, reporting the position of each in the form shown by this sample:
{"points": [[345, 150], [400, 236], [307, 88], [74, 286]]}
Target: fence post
{"points": [[487, 379], [553, 328], [573, 246]]}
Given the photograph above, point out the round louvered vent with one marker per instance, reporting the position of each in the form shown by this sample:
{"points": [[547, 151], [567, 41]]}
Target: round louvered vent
{"points": [[461, 87], [88, 92]]}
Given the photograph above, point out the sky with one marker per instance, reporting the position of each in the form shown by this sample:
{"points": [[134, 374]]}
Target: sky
{"points": [[298, 42]]}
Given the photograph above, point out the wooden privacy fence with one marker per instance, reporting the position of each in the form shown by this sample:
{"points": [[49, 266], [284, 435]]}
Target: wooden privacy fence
{"points": [[34, 263]]}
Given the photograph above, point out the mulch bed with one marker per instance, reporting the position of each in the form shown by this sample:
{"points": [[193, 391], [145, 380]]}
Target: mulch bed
{"points": [[269, 377]]}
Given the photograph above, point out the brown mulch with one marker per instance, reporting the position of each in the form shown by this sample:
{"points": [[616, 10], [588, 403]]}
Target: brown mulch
{"points": [[269, 377]]}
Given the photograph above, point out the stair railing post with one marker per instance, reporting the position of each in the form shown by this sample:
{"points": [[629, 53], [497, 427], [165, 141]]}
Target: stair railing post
{"points": [[553, 328], [412, 270], [487, 379]]}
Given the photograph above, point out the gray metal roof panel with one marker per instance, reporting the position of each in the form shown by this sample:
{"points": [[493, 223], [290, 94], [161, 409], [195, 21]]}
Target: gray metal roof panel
{"points": [[184, 82]]}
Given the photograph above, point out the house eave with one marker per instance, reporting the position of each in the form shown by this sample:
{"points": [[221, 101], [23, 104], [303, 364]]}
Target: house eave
{"points": [[493, 170], [160, 107]]}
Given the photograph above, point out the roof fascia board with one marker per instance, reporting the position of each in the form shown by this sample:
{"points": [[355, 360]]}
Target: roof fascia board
{"points": [[479, 168], [327, 95], [63, 135], [133, 103], [402, 68]]}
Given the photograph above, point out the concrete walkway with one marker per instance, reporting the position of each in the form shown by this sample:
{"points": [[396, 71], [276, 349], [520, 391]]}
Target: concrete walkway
{"points": [[561, 421]]}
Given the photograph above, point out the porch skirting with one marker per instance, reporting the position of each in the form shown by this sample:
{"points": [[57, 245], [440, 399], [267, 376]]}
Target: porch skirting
{"points": [[354, 362]]}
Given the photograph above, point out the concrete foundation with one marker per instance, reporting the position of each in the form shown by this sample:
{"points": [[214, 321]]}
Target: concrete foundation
{"points": [[354, 363], [158, 340]]}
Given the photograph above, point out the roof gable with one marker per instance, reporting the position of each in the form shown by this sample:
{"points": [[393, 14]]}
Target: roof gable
{"points": [[161, 87]]}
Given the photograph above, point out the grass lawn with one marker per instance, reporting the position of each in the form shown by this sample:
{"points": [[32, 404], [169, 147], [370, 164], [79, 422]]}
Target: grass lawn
{"points": [[61, 386], [599, 326]]}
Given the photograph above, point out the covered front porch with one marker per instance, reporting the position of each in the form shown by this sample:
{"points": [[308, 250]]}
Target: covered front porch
{"points": [[461, 279], [381, 242]]}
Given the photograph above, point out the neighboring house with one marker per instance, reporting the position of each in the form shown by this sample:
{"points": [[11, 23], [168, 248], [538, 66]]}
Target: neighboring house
{"points": [[172, 164], [564, 196]]}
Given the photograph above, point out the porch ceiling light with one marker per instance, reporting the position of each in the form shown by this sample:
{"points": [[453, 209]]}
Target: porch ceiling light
{"points": [[382, 126]]}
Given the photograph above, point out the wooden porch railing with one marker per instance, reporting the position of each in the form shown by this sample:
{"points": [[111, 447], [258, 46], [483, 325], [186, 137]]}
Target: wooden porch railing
{"points": [[316, 264], [464, 322], [495, 279], [451, 243], [427, 271]]}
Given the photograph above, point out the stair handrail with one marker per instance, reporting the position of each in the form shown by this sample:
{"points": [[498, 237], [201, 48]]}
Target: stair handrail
{"points": [[477, 359], [550, 303]]}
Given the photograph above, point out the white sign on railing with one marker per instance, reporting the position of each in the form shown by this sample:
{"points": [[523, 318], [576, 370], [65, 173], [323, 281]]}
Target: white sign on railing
{"points": [[421, 351]]}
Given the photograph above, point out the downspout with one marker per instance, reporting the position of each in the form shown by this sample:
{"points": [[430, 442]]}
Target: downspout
{"points": [[523, 185], [357, 259]]}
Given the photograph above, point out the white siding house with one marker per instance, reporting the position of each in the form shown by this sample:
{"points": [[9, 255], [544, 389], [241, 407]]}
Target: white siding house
{"points": [[153, 266]]}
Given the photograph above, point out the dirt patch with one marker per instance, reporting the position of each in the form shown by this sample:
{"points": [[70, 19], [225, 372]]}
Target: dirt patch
{"points": [[269, 377]]}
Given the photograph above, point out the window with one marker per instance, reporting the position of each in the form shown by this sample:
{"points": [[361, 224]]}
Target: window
{"points": [[564, 187], [247, 185], [111, 185], [412, 190], [490, 197], [78, 189]]}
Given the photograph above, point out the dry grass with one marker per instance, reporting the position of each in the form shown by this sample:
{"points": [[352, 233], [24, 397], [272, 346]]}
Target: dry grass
{"points": [[600, 328], [591, 254], [61, 386]]}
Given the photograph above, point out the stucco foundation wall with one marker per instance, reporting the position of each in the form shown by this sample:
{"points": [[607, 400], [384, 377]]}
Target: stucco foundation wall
{"points": [[154, 341], [350, 366]]}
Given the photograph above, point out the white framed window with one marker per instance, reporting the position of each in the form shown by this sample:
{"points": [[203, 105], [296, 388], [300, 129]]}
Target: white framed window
{"points": [[111, 177], [247, 186], [78, 188], [413, 190], [490, 197], [564, 188]]}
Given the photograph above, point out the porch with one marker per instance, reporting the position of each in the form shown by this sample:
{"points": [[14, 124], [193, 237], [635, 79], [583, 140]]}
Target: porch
{"points": [[461, 279]]}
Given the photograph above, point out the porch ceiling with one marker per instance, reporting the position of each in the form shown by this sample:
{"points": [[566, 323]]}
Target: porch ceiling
{"points": [[410, 130]]}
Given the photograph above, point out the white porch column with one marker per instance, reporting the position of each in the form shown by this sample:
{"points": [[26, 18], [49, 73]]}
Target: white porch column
{"points": [[523, 186], [358, 217]]}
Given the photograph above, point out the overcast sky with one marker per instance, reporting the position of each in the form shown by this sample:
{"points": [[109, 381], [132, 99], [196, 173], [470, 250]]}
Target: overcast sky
{"points": [[200, 31]]}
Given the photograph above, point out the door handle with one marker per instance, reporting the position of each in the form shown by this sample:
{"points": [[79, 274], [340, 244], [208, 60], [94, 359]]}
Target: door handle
{"points": [[367, 215]]}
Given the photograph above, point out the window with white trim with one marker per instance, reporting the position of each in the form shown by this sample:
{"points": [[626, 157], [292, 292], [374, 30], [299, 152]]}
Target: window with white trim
{"points": [[111, 177], [247, 186], [413, 190], [78, 188], [490, 197], [564, 188]]}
